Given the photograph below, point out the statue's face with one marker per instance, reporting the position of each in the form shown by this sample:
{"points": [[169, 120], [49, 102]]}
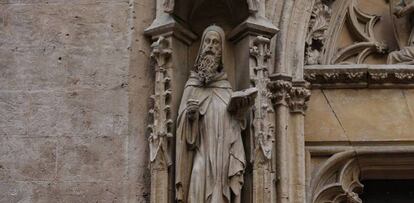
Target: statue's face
{"points": [[208, 63], [212, 43]]}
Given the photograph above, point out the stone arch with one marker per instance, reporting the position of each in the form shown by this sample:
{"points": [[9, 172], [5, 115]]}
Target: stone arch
{"points": [[293, 24], [339, 179]]}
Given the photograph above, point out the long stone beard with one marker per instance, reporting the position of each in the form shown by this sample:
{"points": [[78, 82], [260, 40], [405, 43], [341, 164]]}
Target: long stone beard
{"points": [[207, 67]]}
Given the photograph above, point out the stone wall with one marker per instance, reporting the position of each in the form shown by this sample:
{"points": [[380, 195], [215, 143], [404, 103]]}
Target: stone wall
{"points": [[360, 115], [72, 77]]}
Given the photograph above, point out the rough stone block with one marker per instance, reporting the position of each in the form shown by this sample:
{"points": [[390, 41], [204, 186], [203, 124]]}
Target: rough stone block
{"points": [[64, 192], [97, 112], [48, 114], [370, 114], [13, 113], [321, 122], [75, 113], [66, 46], [11, 74], [27, 158], [106, 192], [91, 158], [29, 191]]}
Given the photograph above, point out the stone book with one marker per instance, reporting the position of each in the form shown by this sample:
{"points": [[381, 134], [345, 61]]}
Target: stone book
{"points": [[242, 99]]}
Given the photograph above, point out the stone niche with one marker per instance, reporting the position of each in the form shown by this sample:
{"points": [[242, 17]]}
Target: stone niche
{"points": [[197, 15], [176, 33]]}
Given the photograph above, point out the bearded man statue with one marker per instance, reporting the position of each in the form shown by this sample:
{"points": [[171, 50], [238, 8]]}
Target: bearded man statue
{"points": [[210, 158]]}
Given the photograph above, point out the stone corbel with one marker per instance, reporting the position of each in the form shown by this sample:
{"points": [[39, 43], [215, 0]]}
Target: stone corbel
{"points": [[298, 97], [280, 86]]}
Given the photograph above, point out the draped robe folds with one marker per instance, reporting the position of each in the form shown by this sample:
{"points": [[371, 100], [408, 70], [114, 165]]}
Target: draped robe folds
{"points": [[210, 157], [403, 56]]}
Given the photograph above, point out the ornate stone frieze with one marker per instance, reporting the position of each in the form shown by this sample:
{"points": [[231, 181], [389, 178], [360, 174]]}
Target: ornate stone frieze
{"points": [[324, 75], [378, 76], [404, 76], [317, 32], [298, 97], [161, 121], [346, 76]]}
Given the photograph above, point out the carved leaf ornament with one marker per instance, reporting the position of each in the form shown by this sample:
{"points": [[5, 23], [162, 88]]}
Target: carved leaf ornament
{"points": [[161, 124], [263, 128], [318, 26]]}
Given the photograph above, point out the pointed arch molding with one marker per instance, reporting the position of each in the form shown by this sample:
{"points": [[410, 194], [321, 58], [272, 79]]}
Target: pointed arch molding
{"points": [[338, 179]]}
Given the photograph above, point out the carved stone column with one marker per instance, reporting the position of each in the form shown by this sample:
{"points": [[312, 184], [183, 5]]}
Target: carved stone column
{"points": [[252, 51], [298, 96], [170, 62], [280, 87], [263, 123]]}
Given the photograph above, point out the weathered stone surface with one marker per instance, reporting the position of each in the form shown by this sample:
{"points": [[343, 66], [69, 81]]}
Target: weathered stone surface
{"points": [[73, 75], [326, 127], [13, 113], [27, 159], [140, 85], [83, 112], [364, 115], [91, 158], [67, 46], [45, 191]]}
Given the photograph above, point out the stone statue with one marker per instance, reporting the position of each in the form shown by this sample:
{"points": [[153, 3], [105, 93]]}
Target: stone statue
{"points": [[406, 54], [210, 158]]}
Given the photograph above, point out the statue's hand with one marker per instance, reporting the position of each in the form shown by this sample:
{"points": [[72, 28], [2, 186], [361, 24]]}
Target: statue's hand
{"points": [[398, 11], [241, 101], [179, 193], [401, 10], [193, 107]]}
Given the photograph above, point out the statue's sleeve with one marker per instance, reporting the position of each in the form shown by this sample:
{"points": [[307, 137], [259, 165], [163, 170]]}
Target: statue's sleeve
{"points": [[184, 154], [237, 165], [190, 128], [192, 132]]}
